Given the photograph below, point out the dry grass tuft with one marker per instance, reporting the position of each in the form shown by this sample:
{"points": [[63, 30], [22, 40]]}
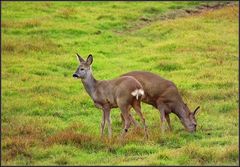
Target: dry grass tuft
{"points": [[18, 137], [23, 129], [30, 23], [16, 146], [206, 155], [231, 153], [227, 13], [26, 45], [66, 12], [75, 126], [69, 136], [135, 134], [200, 155]]}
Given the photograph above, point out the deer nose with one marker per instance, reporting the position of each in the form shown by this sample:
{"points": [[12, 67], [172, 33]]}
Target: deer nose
{"points": [[75, 75], [195, 127]]}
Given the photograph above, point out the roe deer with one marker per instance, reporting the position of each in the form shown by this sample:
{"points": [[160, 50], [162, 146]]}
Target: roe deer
{"points": [[164, 95], [124, 92]]}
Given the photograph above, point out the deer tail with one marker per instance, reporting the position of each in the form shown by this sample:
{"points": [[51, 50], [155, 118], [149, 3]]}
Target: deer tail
{"points": [[138, 93]]}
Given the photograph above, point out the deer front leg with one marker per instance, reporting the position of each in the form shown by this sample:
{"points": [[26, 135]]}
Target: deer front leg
{"points": [[102, 123], [108, 119], [162, 108], [168, 121]]}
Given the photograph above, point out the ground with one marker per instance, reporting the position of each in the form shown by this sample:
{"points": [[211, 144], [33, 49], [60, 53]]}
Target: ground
{"points": [[49, 119]]}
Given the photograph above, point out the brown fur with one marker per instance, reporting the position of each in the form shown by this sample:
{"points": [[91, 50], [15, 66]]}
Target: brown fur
{"points": [[163, 95], [108, 94]]}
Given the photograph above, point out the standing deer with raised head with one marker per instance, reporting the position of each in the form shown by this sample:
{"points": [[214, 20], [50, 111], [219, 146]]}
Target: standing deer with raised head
{"points": [[164, 95], [124, 92]]}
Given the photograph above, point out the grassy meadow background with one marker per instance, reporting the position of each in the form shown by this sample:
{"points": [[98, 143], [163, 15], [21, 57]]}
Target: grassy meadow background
{"points": [[49, 119]]}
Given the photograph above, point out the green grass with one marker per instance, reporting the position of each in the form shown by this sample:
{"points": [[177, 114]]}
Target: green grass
{"points": [[48, 118]]}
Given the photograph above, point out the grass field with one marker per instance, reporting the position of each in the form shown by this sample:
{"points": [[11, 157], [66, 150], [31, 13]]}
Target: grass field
{"points": [[49, 119]]}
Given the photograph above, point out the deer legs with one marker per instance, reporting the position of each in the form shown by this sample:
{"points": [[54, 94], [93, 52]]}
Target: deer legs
{"points": [[109, 123], [102, 124], [137, 107], [164, 116], [127, 120], [106, 117], [168, 121], [126, 117], [133, 121]]}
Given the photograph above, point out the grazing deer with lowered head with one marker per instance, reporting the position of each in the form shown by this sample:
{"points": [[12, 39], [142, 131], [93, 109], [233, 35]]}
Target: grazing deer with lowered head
{"points": [[124, 92], [164, 95]]}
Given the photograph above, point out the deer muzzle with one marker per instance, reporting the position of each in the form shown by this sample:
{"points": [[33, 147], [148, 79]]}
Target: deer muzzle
{"points": [[75, 75]]}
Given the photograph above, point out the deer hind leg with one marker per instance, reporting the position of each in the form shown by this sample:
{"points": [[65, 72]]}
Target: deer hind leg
{"points": [[127, 121], [137, 107], [123, 121], [133, 121]]}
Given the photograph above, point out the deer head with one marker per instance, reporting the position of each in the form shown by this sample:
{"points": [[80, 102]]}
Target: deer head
{"points": [[189, 119], [84, 69]]}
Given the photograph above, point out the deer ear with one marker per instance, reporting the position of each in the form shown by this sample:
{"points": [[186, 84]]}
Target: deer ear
{"points": [[195, 111], [80, 58], [89, 59]]}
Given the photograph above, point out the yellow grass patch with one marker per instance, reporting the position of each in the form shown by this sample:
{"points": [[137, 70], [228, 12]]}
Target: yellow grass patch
{"points": [[227, 13], [21, 24]]}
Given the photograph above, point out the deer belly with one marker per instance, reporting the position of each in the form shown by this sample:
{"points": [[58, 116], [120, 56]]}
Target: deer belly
{"points": [[111, 102], [149, 100], [98, 105]]}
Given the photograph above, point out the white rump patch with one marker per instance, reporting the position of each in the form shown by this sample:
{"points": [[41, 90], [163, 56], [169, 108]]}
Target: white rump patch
{"points": [[137, 92]]}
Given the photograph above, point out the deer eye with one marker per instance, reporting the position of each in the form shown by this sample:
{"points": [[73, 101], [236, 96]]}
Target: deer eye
{"points": [[81, 69]]}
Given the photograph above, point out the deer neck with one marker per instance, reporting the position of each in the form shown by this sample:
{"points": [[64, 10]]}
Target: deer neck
{"points": [[180, 111], [90, 85]]}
